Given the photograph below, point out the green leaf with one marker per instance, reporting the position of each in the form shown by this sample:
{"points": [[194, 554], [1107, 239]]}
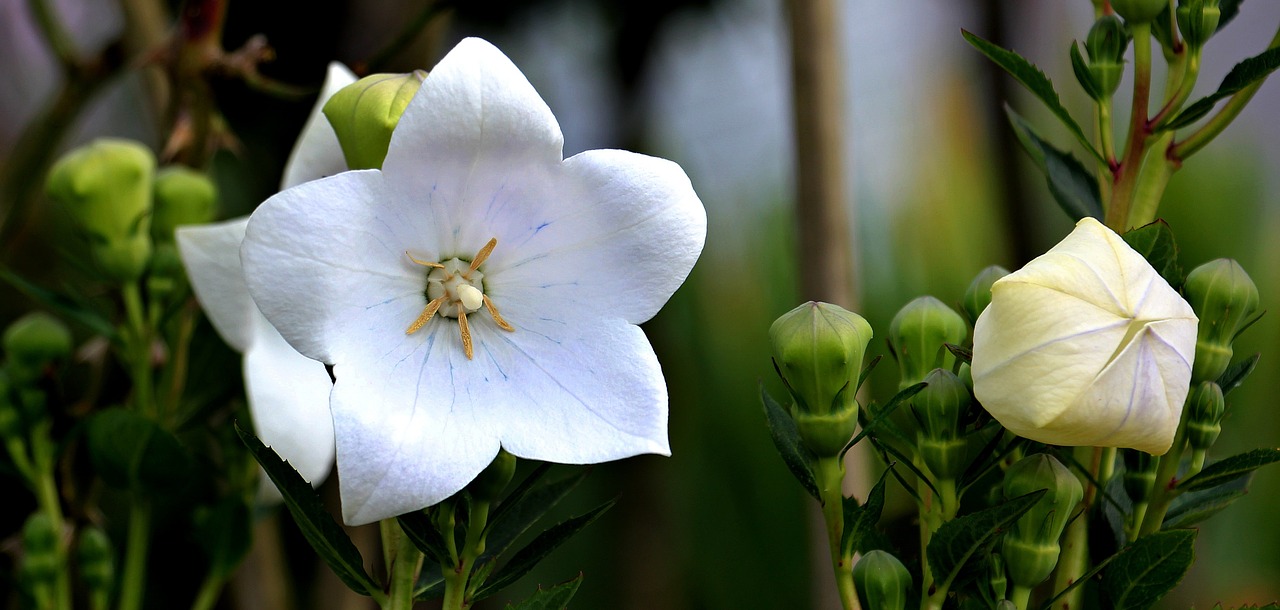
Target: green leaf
{"points": [[72, 308], [555, 598], [1144, 571], [1191, 508], [786, 438], [956, 541], [1034, 80], [224, 531], [318, 527], [1072, 185], [1228, 9], [1245, 73], [1155, 243], [546, 542], [882, 415], [417, 527], [130, 451], [1237, 373], [871, 366], [860, 520], [963, 354], [1083, 76], [525, 506], [1229, 469]]}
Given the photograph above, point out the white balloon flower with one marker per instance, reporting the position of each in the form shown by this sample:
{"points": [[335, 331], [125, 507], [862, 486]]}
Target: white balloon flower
{"points": [[397, 276], [288, 393], [1086, 345]]}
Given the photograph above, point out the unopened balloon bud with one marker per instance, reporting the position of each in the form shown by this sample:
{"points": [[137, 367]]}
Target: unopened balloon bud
{"points": [[1204, 415], [978, 295], [882, 581], [1198, 20], [918, 333], [364, 114], [1139, 474], [1139, 11], [183, 196], [489, 484], [1031, 547], [32, 343], [1225, 299]]}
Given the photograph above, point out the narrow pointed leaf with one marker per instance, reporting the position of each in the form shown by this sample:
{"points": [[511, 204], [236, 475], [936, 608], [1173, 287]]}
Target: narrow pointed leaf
{"points": [[555, 598], [882, 415], [546, 542], [1237, 373], [1146, 570], [860, 520], [1073, 186], [419, 530], [63, 304], [1245, 73], [1191, 508], [956, 541], [786, 439], [1035, 81], [1083, 76], [1156, 244], [1228, 9], [524, 508], [129, 451], [1230, 469], [318, 527]]}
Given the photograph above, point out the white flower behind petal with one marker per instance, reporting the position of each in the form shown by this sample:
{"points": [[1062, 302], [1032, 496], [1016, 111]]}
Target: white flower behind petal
{"points": [[428, 389], [317, 154], [1086, 345]]}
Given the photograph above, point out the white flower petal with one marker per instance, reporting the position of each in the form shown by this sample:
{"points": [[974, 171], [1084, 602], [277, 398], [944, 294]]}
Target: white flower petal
{"points": [[317, 153], [211, 255]]}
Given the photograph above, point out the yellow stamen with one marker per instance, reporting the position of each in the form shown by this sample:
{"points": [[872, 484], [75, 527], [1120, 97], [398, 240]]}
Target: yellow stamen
{"points": [[482, 255], [427, 312], [423, 263], [493, 311], [466, 331]]}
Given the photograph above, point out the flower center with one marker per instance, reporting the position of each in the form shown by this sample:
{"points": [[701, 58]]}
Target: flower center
{"points": [[455, 288]]}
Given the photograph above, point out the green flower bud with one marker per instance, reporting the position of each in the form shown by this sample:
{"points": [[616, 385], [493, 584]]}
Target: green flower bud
{"points": [[938, 410], [183, 196], [1031, 547], [106, 188], [1224, 298], [488, 485], [978, 295], [1006, 605], [32, 343], [1198, 20], [167, 273], [818, 350], [1107, 41], [364, 113], [96, 560], [1139, 11], [918, 333], [1204, 415], [996, 576], [882, 581], [1139, 474]]}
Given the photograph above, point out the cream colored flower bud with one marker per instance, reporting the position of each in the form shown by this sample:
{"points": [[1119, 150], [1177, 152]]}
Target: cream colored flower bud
{"points": [[1086, 345]]}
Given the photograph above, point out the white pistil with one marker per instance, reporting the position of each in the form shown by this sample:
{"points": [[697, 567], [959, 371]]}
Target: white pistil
{"points": [[454, 289]]}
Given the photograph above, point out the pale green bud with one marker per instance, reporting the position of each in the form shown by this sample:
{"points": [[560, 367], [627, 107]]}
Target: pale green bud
{"points": [[1031, 547], [1139, 473], [996, 576], [1224, 298], [364, 114], [488, 485], [978, 295], [32, 343], [106, 188], [183, 196], [1139, 11], [939, 408], [1107, 40], [96, 560], [818, 349], [918, 333], [882, 581], [1198, 20], [1204, 415], [40, 549]]}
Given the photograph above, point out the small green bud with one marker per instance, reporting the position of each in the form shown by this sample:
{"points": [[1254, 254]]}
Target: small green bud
{"points": [[938, 409], [1107, 40], [1224, 298], [1139, 474], [488, 485], [167, 274], [978, 295], [1204, 415], [364, 114], [32, 343], [996, 576], [1198, 20], [96, 560], [818, 349], [39, 535], [1031, 547], [183, 196], [106, 188], [1139, 11], [918, 333], [882, 581]]}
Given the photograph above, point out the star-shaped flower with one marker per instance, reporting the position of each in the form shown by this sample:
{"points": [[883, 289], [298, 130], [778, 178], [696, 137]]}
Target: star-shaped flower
{"points": [[478, 291], [288, 393]]}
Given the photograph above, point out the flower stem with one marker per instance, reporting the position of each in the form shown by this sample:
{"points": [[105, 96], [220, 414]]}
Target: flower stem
{"points": [[138, 348], [1117, 214], [458, 587], [1157, 169], [1021, 597], [404, 564], [830, 475], [1225, 116], [133, 580], [209, 592], [1164, 491]]}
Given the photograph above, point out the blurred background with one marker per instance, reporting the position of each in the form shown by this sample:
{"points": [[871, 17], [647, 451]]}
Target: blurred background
{"points": [[937, 190]]}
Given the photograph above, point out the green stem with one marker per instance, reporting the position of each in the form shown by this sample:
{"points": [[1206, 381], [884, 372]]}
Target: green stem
{"points": [[1157, 168], [1074, 557], [133, 579], [1105, 138], [1184, 84], [210, 591], [457, 577], [44, 454], [1163, 488], [830, 475], [404, 567], [1021, 597], [54, 34], [1135, 146], [139, 348], [1225, 116], [1197, 463]]}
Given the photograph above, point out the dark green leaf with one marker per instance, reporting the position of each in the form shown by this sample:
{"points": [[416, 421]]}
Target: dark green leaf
{"points": [[1229, 469], [786, 438], [1237, 373], [224, 531], [962, 354], [1034, 80], [1191, 508], [871, 366], [326, 537], [61, 303], [523, 508], [555, 598], [1228, 9], [956, 541], [131, 451], [1083, 76], [883, 413], [422, 533], [1147, 569], [1245, 73], [1071, 184], [1155, 243], [536, 551], [860, 520]]}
